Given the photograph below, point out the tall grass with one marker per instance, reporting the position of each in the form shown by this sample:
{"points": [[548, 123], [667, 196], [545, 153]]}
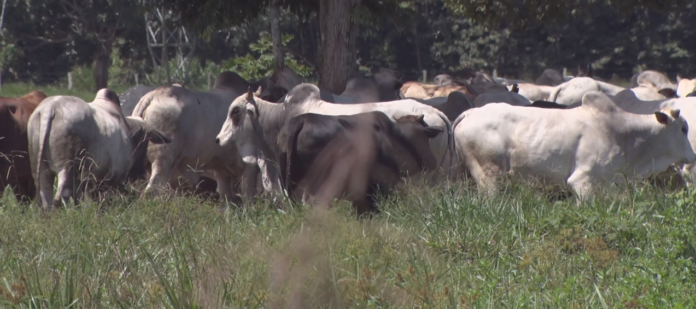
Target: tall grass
{"points": [[429, 248]]}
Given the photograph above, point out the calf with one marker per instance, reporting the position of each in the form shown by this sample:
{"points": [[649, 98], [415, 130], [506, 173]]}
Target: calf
{"points": [[15, 170], [81, 143], [355, 156]]}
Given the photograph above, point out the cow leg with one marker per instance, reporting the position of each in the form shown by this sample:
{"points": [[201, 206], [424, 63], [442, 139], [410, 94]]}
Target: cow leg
{"points": [[161, 172], [226, 187], [66, 185], [486, 182], [251, 172], [44, 196], [580, 181]]}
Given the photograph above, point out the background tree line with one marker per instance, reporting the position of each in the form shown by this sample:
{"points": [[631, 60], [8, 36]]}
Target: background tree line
{"points": [[44, 40]]}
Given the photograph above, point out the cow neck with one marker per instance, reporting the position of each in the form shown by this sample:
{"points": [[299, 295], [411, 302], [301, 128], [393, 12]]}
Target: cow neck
{"points": [[272, 117], [637, 139]]}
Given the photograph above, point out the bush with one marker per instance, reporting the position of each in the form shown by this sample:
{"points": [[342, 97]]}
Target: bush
{"points": [[260, 62]]}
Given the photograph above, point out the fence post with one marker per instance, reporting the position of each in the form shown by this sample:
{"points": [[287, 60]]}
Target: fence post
{"points": [[137, 83], [210, 81], [495, 72], [425, 76], [70, 81], [565, 72]]}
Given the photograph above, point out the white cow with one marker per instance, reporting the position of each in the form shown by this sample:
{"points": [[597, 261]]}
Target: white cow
{"points": [[685, 87], [191, 119], [570, 93], [305, 98], [83, 142], [594, 142], [534, 92]]}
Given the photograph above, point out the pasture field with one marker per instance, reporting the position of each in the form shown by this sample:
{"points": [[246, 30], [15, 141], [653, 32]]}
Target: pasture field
{"points": [[443, 247]]}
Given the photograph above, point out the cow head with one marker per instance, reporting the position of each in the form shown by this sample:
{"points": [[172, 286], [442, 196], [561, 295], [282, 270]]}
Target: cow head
{"points": [[242, 127], [417, 135], [239, 127], [674, 135]]}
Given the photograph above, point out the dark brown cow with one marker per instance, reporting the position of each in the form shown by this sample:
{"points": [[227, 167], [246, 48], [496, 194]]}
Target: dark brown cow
{"points": [[15, 170], [352, 157]]}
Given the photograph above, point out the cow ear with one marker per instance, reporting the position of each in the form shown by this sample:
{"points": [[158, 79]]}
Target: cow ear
{"points": [[12, 109], [662, 117], [674, 113], [156, 137], [432, 132], [668, 93], [258, 91]]}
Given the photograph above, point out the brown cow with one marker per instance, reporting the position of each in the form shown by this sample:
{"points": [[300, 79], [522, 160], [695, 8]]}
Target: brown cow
{"points": [[417, 90], [15, 170]]}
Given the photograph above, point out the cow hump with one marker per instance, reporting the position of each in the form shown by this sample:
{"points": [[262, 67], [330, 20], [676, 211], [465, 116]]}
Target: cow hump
{"points": [[108, 95], [303, 93], [598, 101]]}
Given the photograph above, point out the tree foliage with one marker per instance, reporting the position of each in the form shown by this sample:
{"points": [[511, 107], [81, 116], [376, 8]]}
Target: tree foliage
{"points": [[524, 13], [40, 43], [260, 62]]}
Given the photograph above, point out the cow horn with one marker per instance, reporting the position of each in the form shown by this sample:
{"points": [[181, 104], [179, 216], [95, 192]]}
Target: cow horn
{"points": [[674, 113], [250, 94]]}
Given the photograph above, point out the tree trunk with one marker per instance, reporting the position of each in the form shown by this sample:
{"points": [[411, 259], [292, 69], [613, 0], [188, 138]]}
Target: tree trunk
{"points": [[102, 61], [337, 55], [276, 36]]}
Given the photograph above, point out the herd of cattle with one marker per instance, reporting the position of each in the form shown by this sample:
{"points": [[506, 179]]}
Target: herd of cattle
{"points": [[313, 146]]}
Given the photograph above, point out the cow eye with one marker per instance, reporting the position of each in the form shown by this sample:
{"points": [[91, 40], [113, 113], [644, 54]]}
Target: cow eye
{"points": [[234, 111], [685, 129]]}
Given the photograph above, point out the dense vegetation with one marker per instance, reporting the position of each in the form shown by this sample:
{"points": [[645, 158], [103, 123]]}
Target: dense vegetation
{"points": [[41, 43], [443, 247]]}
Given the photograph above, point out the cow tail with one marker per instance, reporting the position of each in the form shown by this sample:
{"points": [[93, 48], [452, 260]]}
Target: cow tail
{"points": [[293, 131], [555, 93], [143, 104], [44, 131], [454, 126], [450, 142]]}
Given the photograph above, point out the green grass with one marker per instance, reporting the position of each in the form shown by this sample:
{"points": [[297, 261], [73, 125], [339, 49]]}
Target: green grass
{"points": [[429, 248], [20, 89]]}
